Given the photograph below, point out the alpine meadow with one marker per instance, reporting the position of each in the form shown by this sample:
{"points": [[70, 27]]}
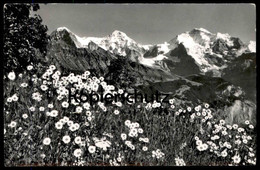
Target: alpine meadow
{"points": [[209, 118]]}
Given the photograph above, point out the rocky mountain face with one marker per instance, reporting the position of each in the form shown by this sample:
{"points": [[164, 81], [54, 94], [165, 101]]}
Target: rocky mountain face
{"points": [[242, 72], [194, 67], [64, 51], [210, 52]]}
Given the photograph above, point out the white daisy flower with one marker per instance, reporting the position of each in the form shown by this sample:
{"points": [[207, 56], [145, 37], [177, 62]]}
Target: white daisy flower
{"points": [[197, 109], [14, 97], [123, 136], [12, 124], [171, 101], [41, 108], [77, 152], [66, 119], [77, 140], [78, 109], [25, 116], [11, 75], [50, 106], [24, 85], [240, 129], [200, 147], [224, 153], [120, 91], [72, 128], [247, 122], [140, 130], [245, 141], [52, 67], [92, 149], [44, 87], [144, 148], [65, 104], [198, 142], [198, 114], [54, 113], [29, 67], [9, 99], [119, 159], [251, 126], [70, 123], [206, 105], [76, 126], [146, 140], [66, 139], [32, 109], [236, 159], [127, 122], [46, 141], [58, 125], [116, 112], [235, 126], [132, 147]]}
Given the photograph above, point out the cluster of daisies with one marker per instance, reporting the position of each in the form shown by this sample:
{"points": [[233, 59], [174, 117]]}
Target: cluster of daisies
{"points": [[231, 142], [179, 161], [228, 142], [157, 154], [134, 130], [72, 83], [13, 98]]}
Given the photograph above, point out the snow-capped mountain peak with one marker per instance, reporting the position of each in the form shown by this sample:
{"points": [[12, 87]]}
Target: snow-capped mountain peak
{"points": [[252, 46], [119, 34], [202, 30], [117, 42], [197, 42], [208, 50], [63, 28], [226, 37], [196, 47], [201, 44], [120, 38]]}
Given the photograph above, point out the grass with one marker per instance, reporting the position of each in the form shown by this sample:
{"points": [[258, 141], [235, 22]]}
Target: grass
{"points": [[173, 133]]}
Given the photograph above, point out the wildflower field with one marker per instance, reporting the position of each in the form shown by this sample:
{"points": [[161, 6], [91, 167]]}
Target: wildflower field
{"points": [[42, 127]]}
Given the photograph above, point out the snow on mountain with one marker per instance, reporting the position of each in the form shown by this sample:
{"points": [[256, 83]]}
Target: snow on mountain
{"points": [[203, 30], [163, 48], [80, 42], [226, 37], [199, 44], [63, 28], [84, 41], [152, 62], [252, 46], [147, 47], [117, 42]]}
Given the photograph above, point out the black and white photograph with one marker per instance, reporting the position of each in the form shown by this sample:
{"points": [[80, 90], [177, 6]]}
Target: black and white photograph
{"points": [[129, 84]]}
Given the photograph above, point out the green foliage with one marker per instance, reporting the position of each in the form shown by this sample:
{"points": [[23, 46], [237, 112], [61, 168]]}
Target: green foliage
{"points": [[67, 39], [25, 38], [178, 132], [120, 72]]}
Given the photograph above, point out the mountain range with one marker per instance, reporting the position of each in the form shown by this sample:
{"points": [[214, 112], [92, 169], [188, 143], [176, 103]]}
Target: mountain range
{"points": [[193, 67]]}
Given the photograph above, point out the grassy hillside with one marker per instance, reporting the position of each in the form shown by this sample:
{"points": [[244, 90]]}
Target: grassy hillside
{"points": [[42, 128]]}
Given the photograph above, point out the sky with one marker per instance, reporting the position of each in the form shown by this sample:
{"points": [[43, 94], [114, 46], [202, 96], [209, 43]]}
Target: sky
{"points": [[151, 23]]}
